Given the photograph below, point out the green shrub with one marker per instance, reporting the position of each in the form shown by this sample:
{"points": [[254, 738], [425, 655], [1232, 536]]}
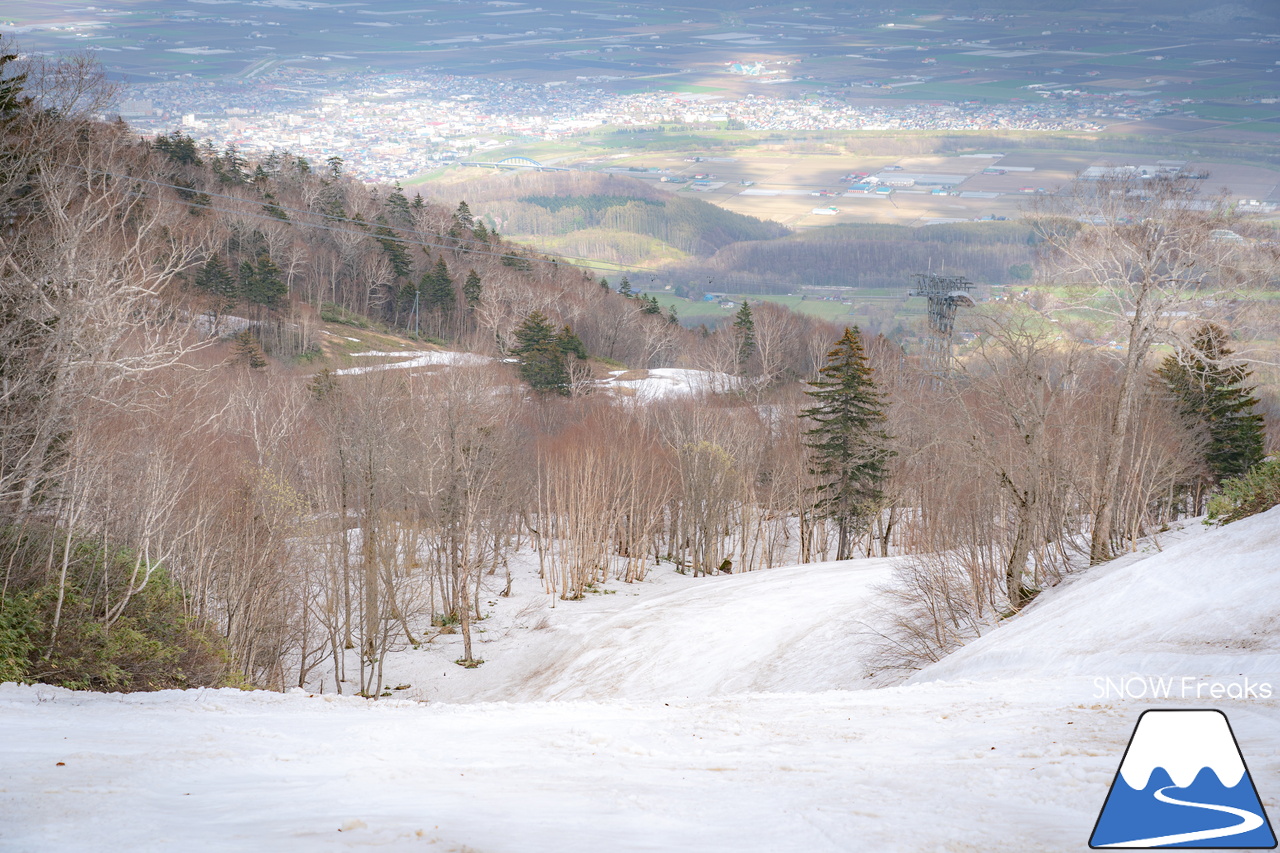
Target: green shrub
{"points": [[1255, 491], [332, 313], [154, 644]]}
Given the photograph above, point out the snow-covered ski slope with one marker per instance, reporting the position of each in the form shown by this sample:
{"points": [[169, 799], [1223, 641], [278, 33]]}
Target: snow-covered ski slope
{"points": [[657, 739], [671, 637], [1206, 606]]}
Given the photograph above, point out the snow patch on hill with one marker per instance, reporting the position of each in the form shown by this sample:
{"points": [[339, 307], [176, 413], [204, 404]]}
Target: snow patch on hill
{"points": [[664, 382], [419, 358]]}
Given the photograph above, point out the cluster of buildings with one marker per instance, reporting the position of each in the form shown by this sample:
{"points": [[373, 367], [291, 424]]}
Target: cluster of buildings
{"points": [[391, 126]]}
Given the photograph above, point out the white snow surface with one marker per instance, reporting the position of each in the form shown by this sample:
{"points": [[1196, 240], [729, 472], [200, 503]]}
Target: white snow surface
{"points": [[663, 382], [676, 714], [1206, 605], [416, 358], [669, 637]]}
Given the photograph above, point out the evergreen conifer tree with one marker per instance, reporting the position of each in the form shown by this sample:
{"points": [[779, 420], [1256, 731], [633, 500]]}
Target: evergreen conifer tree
{"points": [[481, 232], [231, 166], [271, 208], [471, 289], [463, 215], [324, 384], [744, 331], [11, 98], [849, 448], [1211, 395], [408, 302], [398, 205], [246, 276], [541, 354], [570, 343], [177, 146], [625, 288], [261, 283], [215, 278], [437, 288], [393, 248], [247, 351]]}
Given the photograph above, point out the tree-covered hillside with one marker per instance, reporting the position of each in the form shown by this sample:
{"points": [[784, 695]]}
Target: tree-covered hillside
{"points": [[614, 209]]}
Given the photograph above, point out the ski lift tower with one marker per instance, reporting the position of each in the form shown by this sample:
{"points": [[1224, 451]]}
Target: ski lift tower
{"points": [[945, 293]]}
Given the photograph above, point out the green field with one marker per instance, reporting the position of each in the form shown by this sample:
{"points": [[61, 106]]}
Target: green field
{"points": [[1260, 127]]}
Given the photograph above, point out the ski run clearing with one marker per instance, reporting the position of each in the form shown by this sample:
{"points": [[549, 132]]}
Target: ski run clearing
{"points": [[642, 385], [679, 714]]}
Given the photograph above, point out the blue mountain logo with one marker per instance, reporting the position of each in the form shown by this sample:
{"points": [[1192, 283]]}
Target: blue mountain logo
{"points": [[1183, 783]]}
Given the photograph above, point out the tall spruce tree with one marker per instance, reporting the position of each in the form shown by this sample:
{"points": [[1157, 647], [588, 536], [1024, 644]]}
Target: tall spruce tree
{"points": [[261, 283], [471, 289], [1211, 395], [849, 447], [437, 288], [12, 100], [398, 206], [393, 248], [744, 332], [570, 343], [215, 278], [246, 350], [542, 352], [462, 216]]}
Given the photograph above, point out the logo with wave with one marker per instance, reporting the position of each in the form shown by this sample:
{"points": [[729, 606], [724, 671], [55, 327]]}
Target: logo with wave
{"points": [[1183, 783]]}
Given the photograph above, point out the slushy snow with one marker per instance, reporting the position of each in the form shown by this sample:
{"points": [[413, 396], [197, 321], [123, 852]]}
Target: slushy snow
{"points": [[677, 714]]}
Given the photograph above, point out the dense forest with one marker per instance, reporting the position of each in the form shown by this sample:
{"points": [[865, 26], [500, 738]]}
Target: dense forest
{"points": [[189, 494], [613, 210]]}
